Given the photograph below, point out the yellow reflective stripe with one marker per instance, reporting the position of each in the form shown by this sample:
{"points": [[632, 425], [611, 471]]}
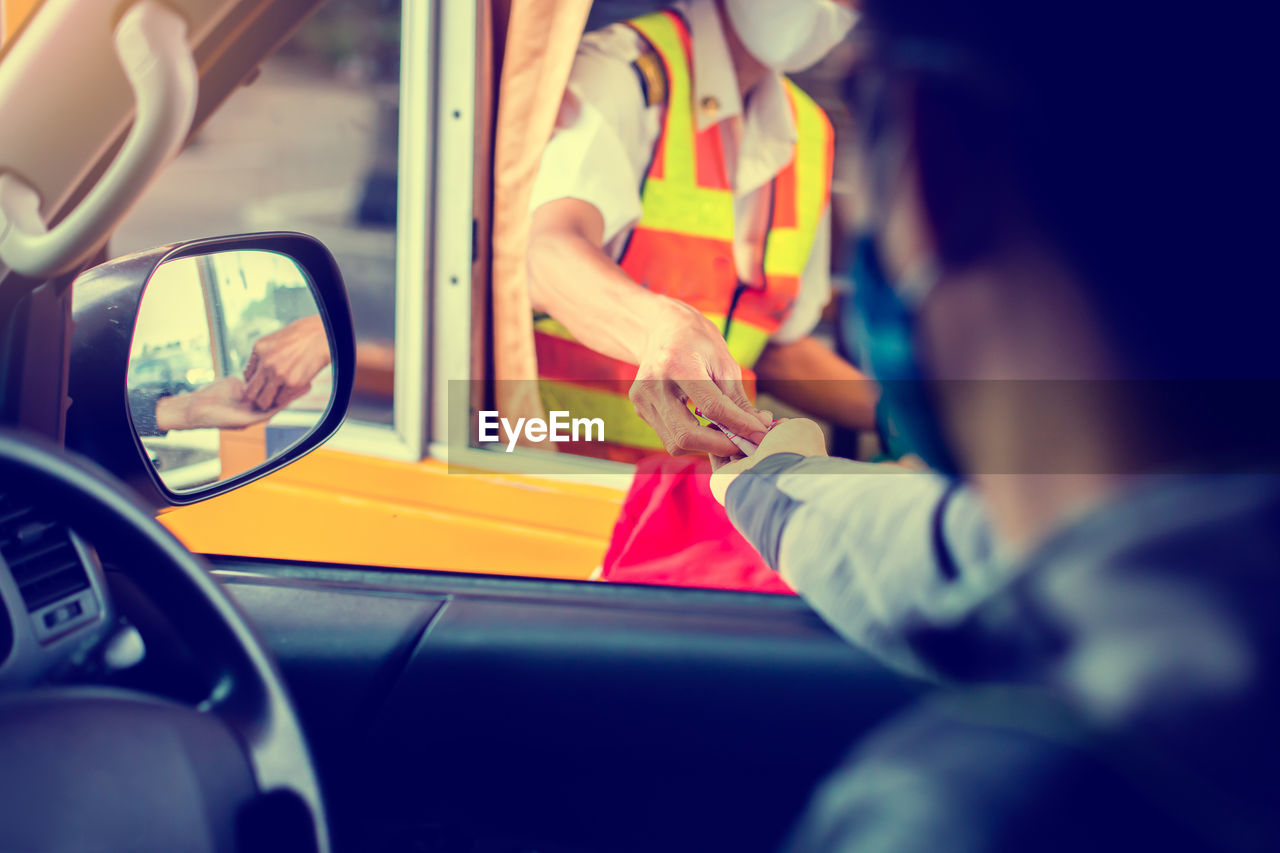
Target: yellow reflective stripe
{"points": [[687, 209], [787, 252], [552, 326], [679, 164], [811, 145], [746, 341], [621, 423]]}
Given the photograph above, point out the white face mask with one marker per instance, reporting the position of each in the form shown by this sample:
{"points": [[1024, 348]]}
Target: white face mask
{"points": [[789, 35]]}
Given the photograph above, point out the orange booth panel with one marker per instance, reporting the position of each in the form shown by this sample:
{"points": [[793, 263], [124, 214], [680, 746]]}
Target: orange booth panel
{"points": [[242, 449], [341, 507]]}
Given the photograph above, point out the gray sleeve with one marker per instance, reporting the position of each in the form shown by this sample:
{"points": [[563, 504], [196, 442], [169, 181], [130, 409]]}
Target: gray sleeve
{"points": [[758, 508], [142, 408], [874, 549]]}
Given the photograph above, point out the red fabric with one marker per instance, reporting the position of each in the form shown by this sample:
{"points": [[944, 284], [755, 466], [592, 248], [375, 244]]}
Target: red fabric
{"points": [[672, 531]]}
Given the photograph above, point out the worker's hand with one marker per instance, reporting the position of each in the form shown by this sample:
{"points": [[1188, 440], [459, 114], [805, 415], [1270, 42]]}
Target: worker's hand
{"points": [[794, 435], [284, 363], [687, 360], [221, 404]]}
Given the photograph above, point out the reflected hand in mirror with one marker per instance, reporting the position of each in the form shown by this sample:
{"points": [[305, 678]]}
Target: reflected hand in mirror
{"points": [[222, 404], [284, 363], [229, 365]]}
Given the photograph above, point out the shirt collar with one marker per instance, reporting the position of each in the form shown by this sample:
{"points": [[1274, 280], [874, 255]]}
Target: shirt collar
{"points": [[716, 96]]}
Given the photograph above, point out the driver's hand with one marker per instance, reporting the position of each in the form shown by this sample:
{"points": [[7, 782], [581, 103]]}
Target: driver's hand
{"points": [[792, 435], [284, 362], [221, 404], [686, 361]]}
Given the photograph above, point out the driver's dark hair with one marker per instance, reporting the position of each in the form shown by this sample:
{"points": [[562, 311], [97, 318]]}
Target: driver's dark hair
{"points": [[1132, 131]]}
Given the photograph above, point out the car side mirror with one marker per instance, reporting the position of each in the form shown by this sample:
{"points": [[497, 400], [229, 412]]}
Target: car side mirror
{"points": [[201, 367]]}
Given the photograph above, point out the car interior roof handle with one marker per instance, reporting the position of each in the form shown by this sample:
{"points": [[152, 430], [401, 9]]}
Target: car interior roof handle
{"points": [[151, 43]]}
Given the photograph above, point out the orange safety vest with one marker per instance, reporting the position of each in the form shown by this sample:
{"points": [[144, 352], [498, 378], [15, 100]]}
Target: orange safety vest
{"points": [[682, 247]]}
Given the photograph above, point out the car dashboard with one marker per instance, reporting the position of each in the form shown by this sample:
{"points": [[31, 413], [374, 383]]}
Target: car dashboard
{"points": [[53, 601]]}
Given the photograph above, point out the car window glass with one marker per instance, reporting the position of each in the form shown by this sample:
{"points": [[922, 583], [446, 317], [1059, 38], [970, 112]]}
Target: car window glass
{"points": [[573, 381], [310, 144], [666, 530], [311, 129]]}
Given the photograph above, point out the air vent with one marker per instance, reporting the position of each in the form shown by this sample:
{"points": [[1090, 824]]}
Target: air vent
{"points": [[40, 554]]}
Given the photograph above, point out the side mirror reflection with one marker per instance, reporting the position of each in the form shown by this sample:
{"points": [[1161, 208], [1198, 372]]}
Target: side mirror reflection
{"points": [[229, 365]]}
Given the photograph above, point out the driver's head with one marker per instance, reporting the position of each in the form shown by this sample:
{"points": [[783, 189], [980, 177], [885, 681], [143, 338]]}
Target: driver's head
{"points": [[1069, 191], [790, 35]]}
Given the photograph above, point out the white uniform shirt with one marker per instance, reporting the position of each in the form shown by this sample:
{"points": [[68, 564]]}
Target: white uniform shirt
{"points": [[605, 135]]}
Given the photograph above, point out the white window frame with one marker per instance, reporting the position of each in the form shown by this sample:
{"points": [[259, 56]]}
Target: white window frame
{"points": [[405, 439], [451, 236]]}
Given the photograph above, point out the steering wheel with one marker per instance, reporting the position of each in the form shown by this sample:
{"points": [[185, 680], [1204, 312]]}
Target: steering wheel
{"points": [[104, 768]]}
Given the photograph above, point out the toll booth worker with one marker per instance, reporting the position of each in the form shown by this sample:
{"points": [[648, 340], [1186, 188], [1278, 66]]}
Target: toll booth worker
{"points": [[680, 227]]}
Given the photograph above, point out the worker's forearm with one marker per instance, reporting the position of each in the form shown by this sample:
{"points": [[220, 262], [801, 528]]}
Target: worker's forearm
{"points": [[575, 282], [810, 376]]}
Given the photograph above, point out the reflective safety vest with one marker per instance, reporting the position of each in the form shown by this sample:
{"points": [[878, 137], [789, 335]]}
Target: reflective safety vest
{"points": [[682, 247]]}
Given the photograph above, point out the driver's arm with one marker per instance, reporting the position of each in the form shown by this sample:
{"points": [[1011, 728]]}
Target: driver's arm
{"points": [[875, 549]]}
